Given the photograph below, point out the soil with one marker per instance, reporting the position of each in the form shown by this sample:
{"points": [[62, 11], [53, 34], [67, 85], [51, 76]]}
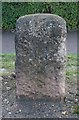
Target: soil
{"points": [[11, 108]]}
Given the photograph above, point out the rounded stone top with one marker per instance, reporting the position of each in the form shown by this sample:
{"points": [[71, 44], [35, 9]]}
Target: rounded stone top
{"points": [[43, 16], [41, 24]]}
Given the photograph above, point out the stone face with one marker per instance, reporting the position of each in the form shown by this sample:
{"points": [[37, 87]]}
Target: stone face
{"points": [[40, 56]]}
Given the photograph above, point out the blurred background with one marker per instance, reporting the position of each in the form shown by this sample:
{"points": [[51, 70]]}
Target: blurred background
{"points": [[11, 11]]}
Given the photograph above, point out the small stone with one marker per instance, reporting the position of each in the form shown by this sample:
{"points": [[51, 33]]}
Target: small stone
{"points": [[5, 83], [45, 42], [44, 58], [1, 78], [20, 110], [50, 59], [39, 61], [60, 26], [44, 116], [5, 100], [76, 100], [16, 105], [39, 104], [9, 113], [52, 105], [7, 108], [60, 117], [30, 22], [64, 112], [39, 117], [30, 59], [44, 103], [49, 108], [35, 65], [50, 24], [47, 115], [8, 88]]}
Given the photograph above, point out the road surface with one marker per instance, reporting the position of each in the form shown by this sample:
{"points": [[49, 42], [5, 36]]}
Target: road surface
{"points": [[7, 44]]}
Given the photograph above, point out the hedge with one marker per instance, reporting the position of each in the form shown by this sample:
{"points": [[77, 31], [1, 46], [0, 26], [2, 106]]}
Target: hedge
{"points": [[12, 11]]}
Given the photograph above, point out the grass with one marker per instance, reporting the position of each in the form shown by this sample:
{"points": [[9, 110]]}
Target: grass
{"points": [[72, 66], [7, 63], [76, 110]]}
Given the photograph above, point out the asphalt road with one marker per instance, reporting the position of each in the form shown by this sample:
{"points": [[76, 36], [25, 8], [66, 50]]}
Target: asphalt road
{"points": [[7, 44]]}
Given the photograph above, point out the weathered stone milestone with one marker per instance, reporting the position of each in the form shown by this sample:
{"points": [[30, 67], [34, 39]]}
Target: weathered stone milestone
{"points": [[40, 56]]}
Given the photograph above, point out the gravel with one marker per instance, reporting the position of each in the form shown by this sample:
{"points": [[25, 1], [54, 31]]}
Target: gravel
{"points": [[22, 108]]}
